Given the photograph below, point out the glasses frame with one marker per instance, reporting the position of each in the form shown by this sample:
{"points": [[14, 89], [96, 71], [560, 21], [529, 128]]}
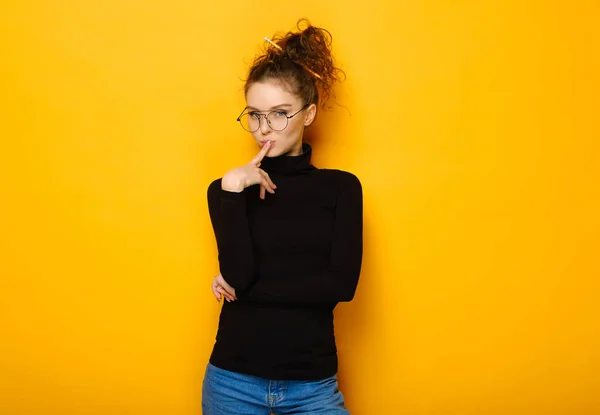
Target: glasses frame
{"points": [[267, 120]]}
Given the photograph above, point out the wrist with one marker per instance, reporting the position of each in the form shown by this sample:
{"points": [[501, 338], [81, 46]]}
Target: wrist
{"points": [[231, 183]]}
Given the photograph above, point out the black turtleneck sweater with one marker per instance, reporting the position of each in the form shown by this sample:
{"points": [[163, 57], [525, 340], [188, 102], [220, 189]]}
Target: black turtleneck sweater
{"points": [[291, 258]]}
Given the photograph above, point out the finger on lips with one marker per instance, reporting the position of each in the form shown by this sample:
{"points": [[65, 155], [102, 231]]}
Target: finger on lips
{"points": [[261, 154]]}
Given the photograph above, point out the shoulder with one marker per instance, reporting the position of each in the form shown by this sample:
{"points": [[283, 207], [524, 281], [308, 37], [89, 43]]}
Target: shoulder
{"points": [[342, 180], [341, 176]]}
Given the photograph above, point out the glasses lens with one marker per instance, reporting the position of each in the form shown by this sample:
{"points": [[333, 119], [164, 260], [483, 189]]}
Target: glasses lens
{"points": [[277, 120], [250, 122]]}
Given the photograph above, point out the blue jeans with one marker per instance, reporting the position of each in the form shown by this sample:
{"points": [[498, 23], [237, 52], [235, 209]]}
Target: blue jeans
{"points": [[231, 393]]}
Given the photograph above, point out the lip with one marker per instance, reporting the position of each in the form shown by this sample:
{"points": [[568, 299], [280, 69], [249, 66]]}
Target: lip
{"points": [[263, 142]]}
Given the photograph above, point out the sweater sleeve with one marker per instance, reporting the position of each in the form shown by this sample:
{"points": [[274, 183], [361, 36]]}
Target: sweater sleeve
{"points": [[228, 214], [339, 281]]}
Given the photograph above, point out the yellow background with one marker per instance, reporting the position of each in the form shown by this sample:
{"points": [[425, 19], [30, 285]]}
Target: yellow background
{"points": [[472, 125]]}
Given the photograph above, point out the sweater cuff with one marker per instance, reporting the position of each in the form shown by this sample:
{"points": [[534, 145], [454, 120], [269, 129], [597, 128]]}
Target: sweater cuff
{"points": [[233, 197], [233, 203]]}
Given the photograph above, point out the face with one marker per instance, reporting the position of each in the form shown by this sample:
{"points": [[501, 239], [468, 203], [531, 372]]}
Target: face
{"points": [[267, 96]]}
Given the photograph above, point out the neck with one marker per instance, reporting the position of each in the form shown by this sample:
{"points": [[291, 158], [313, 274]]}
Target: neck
{"points": [[289, 163], [296, 151]]}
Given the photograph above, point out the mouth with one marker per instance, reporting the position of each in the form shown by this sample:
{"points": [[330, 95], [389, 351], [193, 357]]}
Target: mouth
{"points": [[263, 142]]}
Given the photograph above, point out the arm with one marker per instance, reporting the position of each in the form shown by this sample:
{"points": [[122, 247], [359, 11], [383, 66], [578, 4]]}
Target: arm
{"points": [[228, 214], [339, 281], [234, 243]]}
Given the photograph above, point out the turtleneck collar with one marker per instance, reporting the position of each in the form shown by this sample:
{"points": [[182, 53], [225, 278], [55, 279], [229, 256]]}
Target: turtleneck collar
{"points": [[289, 164]]}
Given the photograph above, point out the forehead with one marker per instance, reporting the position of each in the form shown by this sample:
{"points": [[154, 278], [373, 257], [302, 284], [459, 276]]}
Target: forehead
{"points": [[268, 94]]}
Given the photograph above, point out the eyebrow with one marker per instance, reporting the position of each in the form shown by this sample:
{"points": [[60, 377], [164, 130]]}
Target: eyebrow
{"points": [[272, 108]]}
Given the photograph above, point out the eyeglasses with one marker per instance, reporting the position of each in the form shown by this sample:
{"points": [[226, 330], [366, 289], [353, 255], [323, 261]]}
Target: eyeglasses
{"points": [[277, 120]]}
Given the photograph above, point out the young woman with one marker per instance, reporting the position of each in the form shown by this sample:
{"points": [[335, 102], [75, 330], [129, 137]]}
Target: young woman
{"points": [[289, 237]]}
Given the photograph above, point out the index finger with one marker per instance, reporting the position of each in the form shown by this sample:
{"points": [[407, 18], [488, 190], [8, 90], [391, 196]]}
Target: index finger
{"points": [[261, 154]]}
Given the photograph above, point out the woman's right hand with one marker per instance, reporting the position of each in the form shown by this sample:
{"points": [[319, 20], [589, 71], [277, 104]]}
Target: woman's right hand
{"points": [[237, 179]]}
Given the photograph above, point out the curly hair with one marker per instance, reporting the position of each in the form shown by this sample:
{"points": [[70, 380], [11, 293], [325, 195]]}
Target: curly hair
{"points": [[302, 61]]}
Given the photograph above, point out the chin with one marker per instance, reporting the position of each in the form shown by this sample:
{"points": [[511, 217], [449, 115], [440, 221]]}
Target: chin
{"points": [[274, 152]]}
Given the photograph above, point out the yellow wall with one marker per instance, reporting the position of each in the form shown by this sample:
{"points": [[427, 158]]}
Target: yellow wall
{"points": [[472, 125]]}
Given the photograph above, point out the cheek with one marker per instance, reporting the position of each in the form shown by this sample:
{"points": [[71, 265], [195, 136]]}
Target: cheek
{"points": [[295, 127]]}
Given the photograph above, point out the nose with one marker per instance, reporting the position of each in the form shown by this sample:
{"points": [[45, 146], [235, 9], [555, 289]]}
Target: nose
{"points": [[265, 129]]}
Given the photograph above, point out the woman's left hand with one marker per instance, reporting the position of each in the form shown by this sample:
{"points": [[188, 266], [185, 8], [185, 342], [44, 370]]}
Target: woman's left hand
{"points": [[220, 288]]}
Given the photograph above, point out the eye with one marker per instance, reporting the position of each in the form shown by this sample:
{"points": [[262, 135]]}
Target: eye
{"points": [[254, 114], [281, 113]]}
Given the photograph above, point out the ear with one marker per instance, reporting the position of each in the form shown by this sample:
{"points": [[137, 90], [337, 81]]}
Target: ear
{"points": [[310, 113]]}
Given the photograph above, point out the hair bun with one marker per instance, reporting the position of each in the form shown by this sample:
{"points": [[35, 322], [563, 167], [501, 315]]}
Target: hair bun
{"points": [[310, 49]]}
